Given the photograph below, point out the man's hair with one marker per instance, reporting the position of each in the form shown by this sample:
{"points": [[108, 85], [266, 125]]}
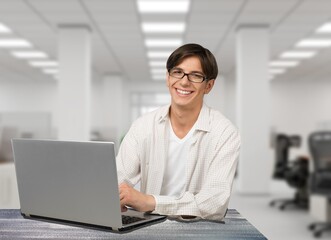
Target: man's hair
{"points": [[207, 59]]}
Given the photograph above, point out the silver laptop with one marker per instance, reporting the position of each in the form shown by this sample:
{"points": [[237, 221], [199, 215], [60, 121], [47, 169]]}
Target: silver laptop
{"points": [[74, 183]]}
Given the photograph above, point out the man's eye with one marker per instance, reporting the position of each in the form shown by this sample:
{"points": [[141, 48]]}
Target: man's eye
{"points": [[177, 71], [196, 75]]}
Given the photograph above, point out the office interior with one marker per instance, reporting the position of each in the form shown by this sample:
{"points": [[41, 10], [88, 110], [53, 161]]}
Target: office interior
{"points": [[86, 69]]}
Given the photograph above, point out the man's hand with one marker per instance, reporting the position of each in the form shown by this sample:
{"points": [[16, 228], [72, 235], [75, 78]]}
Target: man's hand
{"points": [[132, 198]]}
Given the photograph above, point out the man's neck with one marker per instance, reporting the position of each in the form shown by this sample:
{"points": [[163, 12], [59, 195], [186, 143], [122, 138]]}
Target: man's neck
{"points": [[183, 119]]}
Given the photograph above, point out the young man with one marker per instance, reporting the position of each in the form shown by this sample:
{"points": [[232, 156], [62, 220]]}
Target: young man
{"points": [[185, 154]]}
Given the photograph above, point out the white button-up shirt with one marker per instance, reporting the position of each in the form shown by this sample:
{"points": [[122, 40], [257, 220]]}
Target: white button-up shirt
{"points": [[210, 170]]}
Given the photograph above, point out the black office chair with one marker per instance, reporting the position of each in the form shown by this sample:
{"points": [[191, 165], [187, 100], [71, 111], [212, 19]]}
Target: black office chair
{"points": [[320, 181], [295, 172]]}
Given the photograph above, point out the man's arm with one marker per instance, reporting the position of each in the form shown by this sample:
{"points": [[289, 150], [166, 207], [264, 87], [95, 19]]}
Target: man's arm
{"points": [[127, 160]]}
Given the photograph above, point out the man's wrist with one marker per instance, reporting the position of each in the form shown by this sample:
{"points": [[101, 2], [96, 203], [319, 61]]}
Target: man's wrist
{"points": [[151, 203]]}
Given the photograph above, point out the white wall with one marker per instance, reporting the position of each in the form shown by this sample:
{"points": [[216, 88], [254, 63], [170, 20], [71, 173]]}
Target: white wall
{"points": [[300, 107], [29, 96]]}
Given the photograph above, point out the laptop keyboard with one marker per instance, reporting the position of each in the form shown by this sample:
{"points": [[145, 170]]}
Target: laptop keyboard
{"points": [[129, 219]]}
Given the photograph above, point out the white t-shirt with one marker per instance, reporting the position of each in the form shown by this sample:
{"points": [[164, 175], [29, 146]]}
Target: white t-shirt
{"points": [[175, 175]]}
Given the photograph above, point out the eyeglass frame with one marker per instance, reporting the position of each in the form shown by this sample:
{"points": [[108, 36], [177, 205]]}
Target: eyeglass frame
{"points": [[186, 74]]}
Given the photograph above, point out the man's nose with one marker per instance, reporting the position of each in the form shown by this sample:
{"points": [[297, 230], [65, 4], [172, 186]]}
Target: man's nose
{"points": [[184, 80]]}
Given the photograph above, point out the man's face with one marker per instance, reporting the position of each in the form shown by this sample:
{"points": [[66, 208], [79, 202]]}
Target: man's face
{"points": [[186, 94]]}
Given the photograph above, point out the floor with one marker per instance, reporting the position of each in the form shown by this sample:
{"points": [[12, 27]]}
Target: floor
{"points": [[275, 224]]}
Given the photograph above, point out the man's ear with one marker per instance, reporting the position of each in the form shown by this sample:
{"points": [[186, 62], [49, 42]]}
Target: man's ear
{"points": [[209, 85]]}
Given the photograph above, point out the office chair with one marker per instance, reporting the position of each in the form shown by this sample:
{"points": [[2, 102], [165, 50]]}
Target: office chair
{"points": [[320, 181], [295, 172]]}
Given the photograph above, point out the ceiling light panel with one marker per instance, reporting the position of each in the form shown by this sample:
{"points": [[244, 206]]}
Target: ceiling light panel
{"points": [[298, 54], [152, 6], [325, 28], [283, 63], [51, 70], [12, 43], [44, 63], [318, 43], [158, 77], [158, 70], [158, 54], [29, 54], [163, 27], [157, 63], [163, 42], [4, 28], [277, 70]]}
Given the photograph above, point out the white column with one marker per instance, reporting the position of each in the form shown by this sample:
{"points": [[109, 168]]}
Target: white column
{"points": [[253, 109], [113, 108], [74, 82]]}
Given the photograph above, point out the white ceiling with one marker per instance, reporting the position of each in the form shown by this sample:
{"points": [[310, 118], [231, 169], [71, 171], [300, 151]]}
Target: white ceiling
{"points": [[118, 41]]}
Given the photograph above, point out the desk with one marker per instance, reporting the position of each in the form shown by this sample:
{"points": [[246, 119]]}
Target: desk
{"points": [[14, 226]]}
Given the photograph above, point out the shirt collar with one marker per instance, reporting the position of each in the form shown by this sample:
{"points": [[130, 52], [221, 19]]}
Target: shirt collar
{"points": [[164, 114], [202, 123]]}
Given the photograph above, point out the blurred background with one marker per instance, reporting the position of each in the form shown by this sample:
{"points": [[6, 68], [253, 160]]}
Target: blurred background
{"points": [[86, 69]]}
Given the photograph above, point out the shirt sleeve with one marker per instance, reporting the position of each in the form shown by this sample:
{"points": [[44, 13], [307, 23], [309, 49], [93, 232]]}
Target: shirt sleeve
{"points": [[127, 160], [212, 200]]}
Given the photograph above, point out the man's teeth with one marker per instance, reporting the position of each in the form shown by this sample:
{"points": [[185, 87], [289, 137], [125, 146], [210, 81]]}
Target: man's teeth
{"points": [[183, 92]]}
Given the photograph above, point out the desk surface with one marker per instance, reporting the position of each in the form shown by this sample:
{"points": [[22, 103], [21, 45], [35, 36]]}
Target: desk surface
{"points": [[14, 226]]}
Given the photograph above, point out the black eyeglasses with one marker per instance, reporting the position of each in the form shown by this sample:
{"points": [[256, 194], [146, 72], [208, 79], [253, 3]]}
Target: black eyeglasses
{"points": [[192, 77]]}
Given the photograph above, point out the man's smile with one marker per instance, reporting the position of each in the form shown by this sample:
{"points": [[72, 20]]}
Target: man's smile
{"points": [[183, 92]]}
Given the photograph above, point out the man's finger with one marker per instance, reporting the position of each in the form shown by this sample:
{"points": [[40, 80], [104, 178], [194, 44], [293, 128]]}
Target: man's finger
{"points": [[124, 209]]}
